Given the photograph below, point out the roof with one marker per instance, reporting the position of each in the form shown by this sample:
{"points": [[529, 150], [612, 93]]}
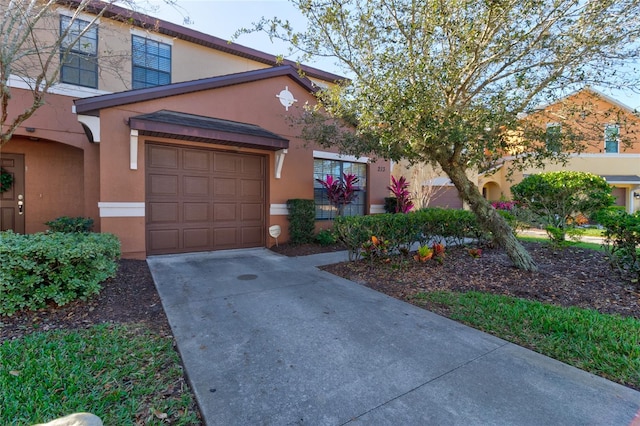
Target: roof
{"points": [[622, 179], [93, 105], [173, 30], [178, 125]]}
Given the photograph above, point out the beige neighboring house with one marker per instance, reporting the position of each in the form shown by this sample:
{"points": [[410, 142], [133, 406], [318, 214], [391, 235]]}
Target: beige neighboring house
{"points": [[186, 145], [609, 129]]}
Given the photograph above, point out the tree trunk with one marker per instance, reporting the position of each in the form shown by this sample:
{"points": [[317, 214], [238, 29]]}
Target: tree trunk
{"points": [[490, 219]]}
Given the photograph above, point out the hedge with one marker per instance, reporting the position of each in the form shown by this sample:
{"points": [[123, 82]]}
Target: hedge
{"points": [[54, 267]]}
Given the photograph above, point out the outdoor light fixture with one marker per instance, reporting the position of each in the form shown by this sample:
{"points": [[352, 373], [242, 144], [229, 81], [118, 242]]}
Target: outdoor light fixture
{"points": [[636, 195]]}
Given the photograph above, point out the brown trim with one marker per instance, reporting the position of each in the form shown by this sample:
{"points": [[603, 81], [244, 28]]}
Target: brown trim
{"points": [[141, 20], [93, 105], [176, 125]]}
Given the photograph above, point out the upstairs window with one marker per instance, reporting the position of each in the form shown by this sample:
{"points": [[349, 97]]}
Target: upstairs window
{"points": [[553, 138], [611, 138], [79, 60], [336, 168], [151, 62]]}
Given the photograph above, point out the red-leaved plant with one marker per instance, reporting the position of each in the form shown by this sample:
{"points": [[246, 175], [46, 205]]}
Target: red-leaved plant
{"points": [[399, 188], [340, 192]]}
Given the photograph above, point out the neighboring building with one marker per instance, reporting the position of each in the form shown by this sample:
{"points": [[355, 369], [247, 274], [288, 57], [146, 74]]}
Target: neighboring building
{"points": [[189, 147], [609, 129]]}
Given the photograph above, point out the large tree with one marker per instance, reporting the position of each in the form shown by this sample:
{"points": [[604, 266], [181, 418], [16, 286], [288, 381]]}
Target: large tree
{"points": [[447, 81]]}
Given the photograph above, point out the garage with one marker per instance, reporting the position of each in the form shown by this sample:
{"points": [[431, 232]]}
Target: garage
{"points": [[447, 197], [203, 199]]}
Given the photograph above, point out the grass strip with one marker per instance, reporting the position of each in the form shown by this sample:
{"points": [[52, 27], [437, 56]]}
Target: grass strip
{"points": [[123, 374], [606, 345], [568, 243]]}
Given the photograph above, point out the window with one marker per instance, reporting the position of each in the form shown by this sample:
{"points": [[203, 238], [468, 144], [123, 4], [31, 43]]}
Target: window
{"points": [[336, 168], [80, 62], [553, 138], [151, 62], [611, 138]]}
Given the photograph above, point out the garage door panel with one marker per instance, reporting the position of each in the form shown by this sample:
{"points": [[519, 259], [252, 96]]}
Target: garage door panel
{"points": [[196, 159], [163, 240], [199, 199], [196, 212], [249, 212], [163, 185], [197, 238], [251, 188], [162, 156], [163, 212], [196, 186]]}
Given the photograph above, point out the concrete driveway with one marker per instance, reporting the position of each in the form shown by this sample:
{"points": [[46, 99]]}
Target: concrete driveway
{"points": [[271, 340]]}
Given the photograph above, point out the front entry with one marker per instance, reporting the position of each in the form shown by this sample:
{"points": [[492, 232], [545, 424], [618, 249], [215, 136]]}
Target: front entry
{"points": [[12, 202]]}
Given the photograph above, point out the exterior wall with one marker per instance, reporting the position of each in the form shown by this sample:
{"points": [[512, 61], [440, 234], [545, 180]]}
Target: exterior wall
{"points": [[254, 103]]}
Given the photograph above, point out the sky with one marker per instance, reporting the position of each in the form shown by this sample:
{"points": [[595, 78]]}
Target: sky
{"points": [[222, 18]]}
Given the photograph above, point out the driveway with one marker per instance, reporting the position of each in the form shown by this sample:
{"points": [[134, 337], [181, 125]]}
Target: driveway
{"points": [[272, 340]]}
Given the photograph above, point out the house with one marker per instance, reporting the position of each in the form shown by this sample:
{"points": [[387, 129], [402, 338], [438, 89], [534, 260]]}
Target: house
{"points": [[193, 147], [608, 130]]}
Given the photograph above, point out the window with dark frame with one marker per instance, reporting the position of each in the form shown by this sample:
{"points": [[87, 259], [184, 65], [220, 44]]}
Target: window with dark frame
{"points": [[553, 137], [80, 62], [151, 61], [336, 168], [611, 138]]}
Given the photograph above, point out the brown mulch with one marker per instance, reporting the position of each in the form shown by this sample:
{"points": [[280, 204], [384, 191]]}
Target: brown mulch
{"points": [[568, 276]]}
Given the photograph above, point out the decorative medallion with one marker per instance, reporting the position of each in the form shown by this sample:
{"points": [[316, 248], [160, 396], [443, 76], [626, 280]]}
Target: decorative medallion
{"points": [[286, 98]]}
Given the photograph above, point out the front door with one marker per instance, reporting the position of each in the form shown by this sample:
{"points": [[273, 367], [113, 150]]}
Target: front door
{"points": [[12, 202]]}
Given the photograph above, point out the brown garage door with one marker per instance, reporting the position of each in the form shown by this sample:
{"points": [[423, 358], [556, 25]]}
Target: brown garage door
{"points": [[446, 196], [200, 200]]}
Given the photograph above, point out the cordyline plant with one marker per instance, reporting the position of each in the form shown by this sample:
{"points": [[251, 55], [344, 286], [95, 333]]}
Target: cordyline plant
{"points": [[341, 192], [399, 188]]}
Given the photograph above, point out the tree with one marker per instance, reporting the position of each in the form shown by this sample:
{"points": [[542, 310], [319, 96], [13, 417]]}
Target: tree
{"points": [[34, 46], [558, 198], [447, 82]]}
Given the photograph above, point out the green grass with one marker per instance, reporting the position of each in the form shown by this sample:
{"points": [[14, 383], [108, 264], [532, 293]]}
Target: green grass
{"points": [[606, 345], [580, 244], [123, 374]]}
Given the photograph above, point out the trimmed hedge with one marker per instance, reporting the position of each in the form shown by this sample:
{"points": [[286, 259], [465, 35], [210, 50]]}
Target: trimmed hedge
{"points": [[622, 241], [401, 231], [70, 224], [59, 267], [302, 220]]}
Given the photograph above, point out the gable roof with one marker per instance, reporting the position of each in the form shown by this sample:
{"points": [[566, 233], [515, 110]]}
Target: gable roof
{"points": [[179, 125], [93, 105], [150, 23]]}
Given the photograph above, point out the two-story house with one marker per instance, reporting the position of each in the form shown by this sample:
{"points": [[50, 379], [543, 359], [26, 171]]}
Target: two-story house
{"points": [[187, 143]]}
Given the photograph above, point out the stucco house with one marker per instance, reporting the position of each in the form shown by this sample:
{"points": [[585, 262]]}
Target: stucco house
{"points": [[608, 129], [192, 148]]}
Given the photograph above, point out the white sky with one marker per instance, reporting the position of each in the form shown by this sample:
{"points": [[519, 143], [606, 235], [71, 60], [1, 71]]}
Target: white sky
{"points": [[221, 18]]}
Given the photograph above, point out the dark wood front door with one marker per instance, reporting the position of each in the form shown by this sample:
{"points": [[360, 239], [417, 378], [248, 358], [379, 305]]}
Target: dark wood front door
{"points": [[12, 201], [201, 200]]}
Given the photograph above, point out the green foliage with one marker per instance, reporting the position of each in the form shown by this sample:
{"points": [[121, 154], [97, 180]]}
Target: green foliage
{"points": [[302, 216], [118, 373], [6, 180], [59, 267], [606, 345], [401, 231], [622, 239], [390, 204], [559, 199], [326, 237], [70, 224]]}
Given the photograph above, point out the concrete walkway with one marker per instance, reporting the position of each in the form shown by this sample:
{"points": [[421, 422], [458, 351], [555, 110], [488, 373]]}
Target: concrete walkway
{"points": [[271, 340]]}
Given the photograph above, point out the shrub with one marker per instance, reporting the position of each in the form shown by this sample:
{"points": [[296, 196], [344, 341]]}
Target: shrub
{"points": [[622, 239], [390, 204], [399, 188], [326, 238], [60, 267], [302, 216], [70, 224]]}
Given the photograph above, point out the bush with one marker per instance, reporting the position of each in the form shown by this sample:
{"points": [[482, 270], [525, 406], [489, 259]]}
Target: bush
{"points": [[70, 224], [326, 238], [622, 239], [59, 267], [302, 220], [401, 231]]}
